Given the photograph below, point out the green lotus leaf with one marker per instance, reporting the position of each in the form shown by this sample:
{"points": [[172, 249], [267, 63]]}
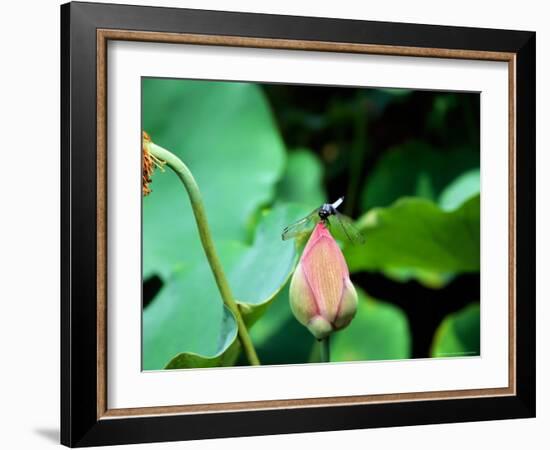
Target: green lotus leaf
{"points": [[414, 169], [416, 233], [226, 135], [458, 334], [379, 331], [226, 350], [302, 179], [465, 186], [187, 324]]}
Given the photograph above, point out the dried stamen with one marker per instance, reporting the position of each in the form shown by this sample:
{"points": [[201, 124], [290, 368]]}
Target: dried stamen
{"points": [[149, 162]]}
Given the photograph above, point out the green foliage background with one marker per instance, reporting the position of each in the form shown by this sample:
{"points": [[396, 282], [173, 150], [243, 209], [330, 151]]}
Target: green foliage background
{"points": [[266, 155]]}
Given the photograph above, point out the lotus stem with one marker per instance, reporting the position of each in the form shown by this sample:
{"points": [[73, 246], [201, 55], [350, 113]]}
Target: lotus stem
{"points": [[325, 349], [186, 177]]}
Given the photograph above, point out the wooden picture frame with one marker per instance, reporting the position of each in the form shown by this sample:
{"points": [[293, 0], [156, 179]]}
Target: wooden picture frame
{"points": [[85, 416]]}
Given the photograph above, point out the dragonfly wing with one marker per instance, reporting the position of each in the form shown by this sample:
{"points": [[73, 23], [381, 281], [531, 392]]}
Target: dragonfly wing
{"points": [[301, 226], [345, 224]]}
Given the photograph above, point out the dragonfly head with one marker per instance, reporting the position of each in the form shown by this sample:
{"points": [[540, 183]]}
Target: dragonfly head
{"points": [[326, 210]]}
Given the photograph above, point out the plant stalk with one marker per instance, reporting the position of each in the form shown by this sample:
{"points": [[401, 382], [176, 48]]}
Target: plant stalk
{"points": [[359, 150], [186, 177], [325, 349]]}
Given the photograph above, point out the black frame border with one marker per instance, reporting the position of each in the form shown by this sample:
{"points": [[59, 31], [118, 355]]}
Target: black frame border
{"points": [[79, 423]]}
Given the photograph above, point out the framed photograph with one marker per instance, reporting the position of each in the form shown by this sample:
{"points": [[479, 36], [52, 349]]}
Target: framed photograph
{"points": [[276, 224]]}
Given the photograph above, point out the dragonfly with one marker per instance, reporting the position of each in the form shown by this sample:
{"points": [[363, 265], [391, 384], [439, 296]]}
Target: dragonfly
{"points": [[329, 215]]}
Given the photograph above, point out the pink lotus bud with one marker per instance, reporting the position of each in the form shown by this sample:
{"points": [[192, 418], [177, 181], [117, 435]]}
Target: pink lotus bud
{"points": [[322, 296]]}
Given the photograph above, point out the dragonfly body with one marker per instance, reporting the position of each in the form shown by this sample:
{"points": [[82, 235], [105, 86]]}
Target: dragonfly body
{"points": [[328, 214], [329, 209]]}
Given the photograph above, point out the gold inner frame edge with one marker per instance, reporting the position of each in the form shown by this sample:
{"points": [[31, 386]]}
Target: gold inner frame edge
{"points": [[103, 36]]}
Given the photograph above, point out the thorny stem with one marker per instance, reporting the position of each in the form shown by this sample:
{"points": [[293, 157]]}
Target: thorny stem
{"points": [[197, 205]]}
